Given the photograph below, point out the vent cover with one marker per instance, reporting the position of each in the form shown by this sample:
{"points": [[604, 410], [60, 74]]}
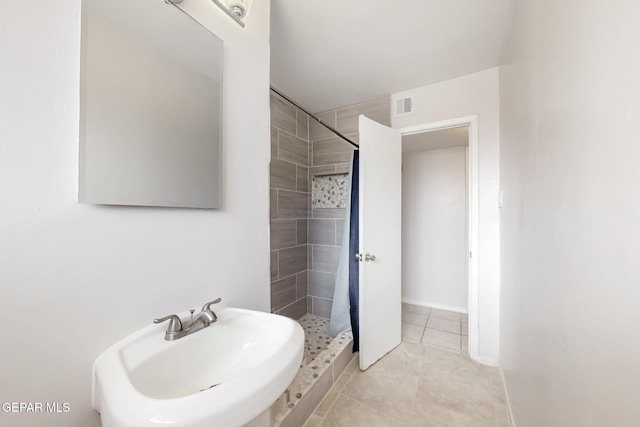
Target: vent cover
{"points": [[404, 106]]}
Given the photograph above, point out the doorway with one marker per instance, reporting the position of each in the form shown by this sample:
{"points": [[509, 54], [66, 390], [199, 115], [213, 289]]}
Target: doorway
{"points": [[380, 249], [440, 267]]}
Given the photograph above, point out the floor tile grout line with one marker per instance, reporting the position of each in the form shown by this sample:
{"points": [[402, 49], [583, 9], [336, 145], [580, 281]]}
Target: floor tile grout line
{"points": [[370, 403], [334, 400], [428, 316], [355, 399], [425, 326], [338, 396], [451, 350], [344, 372], [445, 330]]}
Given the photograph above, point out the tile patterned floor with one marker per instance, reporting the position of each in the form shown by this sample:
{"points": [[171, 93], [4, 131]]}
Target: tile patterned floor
{"points": [[427, 381], [435, 327]]}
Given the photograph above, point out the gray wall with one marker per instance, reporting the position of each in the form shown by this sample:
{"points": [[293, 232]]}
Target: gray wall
{"points": [[330, 154], [305, 242], [289, 186]]}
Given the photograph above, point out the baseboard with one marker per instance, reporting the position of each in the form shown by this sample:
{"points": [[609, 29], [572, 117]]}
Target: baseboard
{"points": [[512, 423], [438, 306], [486, 361]]}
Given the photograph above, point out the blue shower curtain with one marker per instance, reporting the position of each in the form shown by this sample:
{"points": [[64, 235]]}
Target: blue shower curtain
{"points": [[344, 312]]}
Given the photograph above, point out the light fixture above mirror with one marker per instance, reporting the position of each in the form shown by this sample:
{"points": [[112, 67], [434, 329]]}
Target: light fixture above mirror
{"points": [[236, 9]]}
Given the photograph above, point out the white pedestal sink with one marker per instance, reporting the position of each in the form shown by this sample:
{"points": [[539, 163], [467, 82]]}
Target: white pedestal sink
{"points": [[224, 375]]}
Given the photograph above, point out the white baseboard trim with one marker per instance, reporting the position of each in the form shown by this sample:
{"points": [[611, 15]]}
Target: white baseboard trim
{"points": [[512, 423], [486, 361], [438, 306]]}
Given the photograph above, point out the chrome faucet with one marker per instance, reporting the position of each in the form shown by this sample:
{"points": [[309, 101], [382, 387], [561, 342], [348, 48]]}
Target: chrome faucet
{"points": [[203, 319]]}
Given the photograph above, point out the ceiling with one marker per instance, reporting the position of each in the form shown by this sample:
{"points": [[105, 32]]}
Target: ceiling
{"points": [[435, 140], [333, 53]]}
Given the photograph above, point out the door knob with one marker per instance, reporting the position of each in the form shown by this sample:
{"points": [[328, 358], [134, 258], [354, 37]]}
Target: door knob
{"points": [[359, 257], [369, 257]]}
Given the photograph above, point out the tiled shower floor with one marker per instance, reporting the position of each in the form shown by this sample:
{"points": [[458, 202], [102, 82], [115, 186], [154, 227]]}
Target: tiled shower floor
{"points": [[317, 339], [324, 360]]}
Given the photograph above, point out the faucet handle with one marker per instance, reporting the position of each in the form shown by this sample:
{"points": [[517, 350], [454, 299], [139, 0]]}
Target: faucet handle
{"points": [[175, 325], [208, 305]]}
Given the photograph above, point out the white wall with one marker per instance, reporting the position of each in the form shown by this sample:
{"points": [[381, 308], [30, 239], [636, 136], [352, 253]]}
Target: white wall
{"points": [[76, 278], [570, 303], [434, 228], [475, 94]]}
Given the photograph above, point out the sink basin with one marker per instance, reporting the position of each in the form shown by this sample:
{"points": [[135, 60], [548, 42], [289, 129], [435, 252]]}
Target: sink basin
{"points": [[223, 375]]}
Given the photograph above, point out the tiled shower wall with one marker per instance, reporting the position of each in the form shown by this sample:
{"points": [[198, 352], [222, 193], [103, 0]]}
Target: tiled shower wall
{"points": [[331, 155], [290, 207], [305, 242]]}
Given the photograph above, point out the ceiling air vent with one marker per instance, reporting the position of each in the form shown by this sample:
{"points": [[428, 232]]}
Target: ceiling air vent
{"points": [[404, 106]]}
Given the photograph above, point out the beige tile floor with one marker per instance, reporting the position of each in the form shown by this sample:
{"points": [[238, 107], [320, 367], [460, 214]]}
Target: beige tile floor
{"points": [[417, 384], [435, 327]]}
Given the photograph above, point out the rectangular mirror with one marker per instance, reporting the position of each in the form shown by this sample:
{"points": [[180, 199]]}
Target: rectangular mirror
{"points": [[150, 106]]}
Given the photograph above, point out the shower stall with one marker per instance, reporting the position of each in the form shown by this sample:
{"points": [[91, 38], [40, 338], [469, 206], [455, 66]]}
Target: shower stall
{"points": [[311, 264]]}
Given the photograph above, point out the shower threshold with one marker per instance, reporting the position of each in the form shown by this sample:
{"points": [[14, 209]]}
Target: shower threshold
{"points": [[324, 360]]}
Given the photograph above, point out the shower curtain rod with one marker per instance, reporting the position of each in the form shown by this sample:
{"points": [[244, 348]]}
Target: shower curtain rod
{"points": [[317, 119]]}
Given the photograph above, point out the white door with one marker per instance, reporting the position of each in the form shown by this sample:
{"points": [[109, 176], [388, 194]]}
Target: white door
{"points": [[380, 199]]}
